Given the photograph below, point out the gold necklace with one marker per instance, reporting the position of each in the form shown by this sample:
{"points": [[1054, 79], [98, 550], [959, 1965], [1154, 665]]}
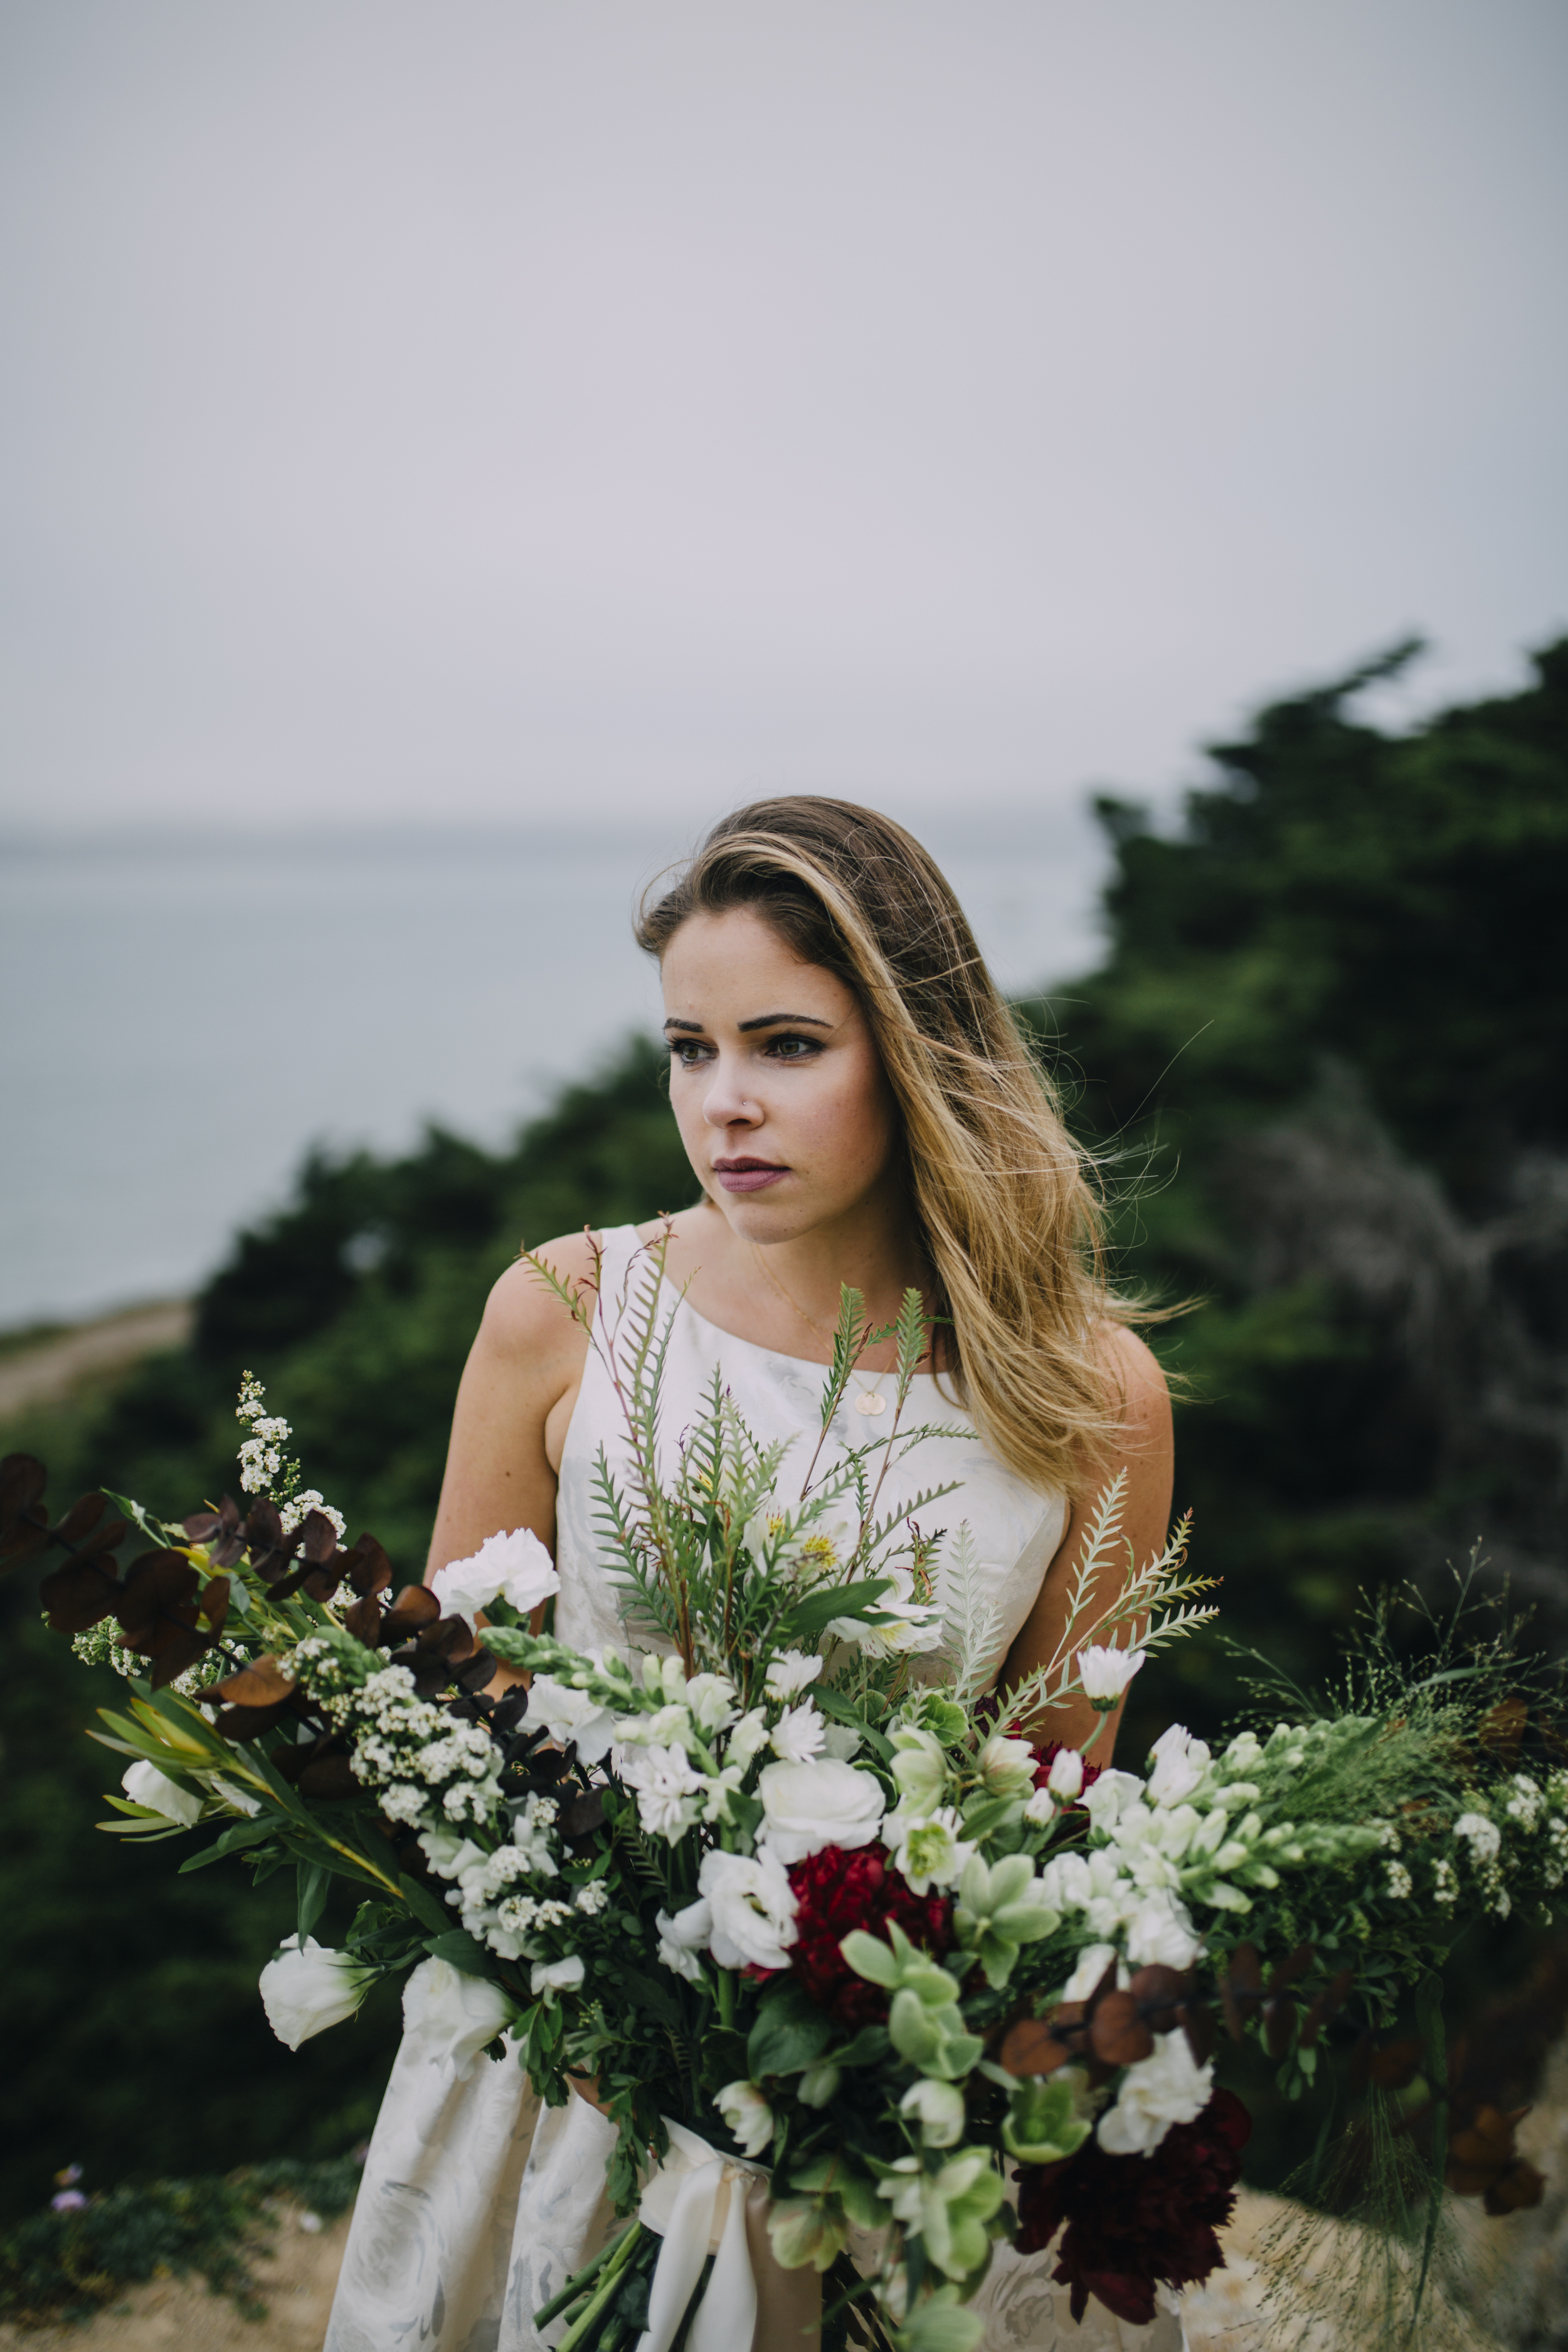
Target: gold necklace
{"points": [[870, 1402]]}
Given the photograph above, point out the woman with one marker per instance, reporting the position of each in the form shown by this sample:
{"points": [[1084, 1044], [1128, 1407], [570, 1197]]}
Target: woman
{"points": [[858, 1108]]}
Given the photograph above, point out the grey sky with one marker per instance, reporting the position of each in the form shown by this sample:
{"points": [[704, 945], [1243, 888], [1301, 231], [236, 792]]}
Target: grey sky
{"points": [[520, 410]]}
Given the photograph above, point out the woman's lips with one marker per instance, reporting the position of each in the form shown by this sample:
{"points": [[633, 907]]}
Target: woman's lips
{"points": [[749, 1176]]}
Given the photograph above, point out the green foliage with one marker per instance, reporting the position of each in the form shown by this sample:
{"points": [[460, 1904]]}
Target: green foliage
{"points": [[64, 2266]]}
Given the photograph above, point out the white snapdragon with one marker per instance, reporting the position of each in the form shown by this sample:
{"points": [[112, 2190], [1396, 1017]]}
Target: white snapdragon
{"points": [[1109, 1798], [747, 2114], [806, 1807], [1160, 1933], [789, 1672], [1165, 2088], [1181, 1764], [146, 1785], [669, 1794], [515, 1567], [752, 1908], [1090, 1969], [309, 1987], [1104, 1673], [798, 1734], [572, 1717], [530, 1835]]}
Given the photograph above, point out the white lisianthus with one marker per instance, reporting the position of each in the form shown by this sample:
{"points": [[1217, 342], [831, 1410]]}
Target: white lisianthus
{"points": [[1181, 1764], [807, 1807], [1167, 2088], [1088, 1970], [797, 1735], [753, 1909], [306, 1988], [790, 1671], [572, 1717], [669, 1794], [938, 2107], [711, 1699], [747, 2114], [1483, 1837], [1104, 1674], [449, 2016], [557, 1976], [681, 1938], [927, 1848], [1006, 1767], [513, 1568], [1160, 1933], [1113, 1795], [145, 1785]]}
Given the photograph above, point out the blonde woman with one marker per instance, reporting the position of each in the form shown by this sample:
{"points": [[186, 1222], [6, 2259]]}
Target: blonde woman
{"points": [[857, 1106]]}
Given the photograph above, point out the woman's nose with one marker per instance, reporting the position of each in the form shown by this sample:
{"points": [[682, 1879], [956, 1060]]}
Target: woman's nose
{"points": [[727, 1103]]}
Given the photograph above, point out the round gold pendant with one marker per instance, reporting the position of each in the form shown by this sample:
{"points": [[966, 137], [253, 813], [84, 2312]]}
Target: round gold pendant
{"points": [[870, 1404]]}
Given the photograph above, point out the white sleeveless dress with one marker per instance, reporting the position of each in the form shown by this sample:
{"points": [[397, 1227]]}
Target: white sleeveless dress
{"points": [[477, 2203]]}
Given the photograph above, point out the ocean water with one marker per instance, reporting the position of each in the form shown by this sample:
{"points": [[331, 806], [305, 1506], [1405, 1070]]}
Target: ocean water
{"points": [[179, 1021]]}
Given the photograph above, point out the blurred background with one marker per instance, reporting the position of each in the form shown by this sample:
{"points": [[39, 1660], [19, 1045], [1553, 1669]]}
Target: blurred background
{"points": [[450, 458]]}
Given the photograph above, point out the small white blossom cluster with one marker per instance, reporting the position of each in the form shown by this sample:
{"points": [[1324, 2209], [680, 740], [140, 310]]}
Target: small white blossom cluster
{"points": [[298, 1508], [426, 1764], [100, 1646], [266, 1469], [1526, 1832], [490, 1894]]}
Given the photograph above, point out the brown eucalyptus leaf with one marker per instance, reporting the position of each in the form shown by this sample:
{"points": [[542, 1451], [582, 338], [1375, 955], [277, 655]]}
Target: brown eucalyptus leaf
{"points": [[580, 1816], [1118, 2035], [1397, 2064], [319, 1537], [83, 1513], [261, 1684], [1332, 1998], [154, 1581], [1501, 1728], [416, 1606], [1158, 1991], [1034, 2047], [1241, 1984], [78, 1594], [178, 1646], [475, 1672], [1516, 2189], [216, 1595], [23, 1481], [362, 1620], [369, 1569], [238, 1723], [23, 1543], [1279, 2024], [1196, 2021]]}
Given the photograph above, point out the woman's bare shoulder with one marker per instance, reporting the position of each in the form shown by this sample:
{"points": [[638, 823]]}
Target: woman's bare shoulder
{"points": [[524, 1316]]}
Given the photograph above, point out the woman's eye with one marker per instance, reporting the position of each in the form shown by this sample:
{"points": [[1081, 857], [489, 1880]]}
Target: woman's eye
{"points": [[688, 1051], [793, 1049]]}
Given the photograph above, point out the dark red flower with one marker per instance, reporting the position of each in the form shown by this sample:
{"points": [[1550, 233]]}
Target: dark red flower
{"points": [[835, 1891], [1133, 2221]]}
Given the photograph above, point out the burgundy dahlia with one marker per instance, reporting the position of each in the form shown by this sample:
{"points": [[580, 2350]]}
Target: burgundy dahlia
{"points": [[835, 1891], [1133, 2221]]}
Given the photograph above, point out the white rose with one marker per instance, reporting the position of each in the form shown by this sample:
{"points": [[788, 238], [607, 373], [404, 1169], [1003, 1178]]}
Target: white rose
{"points": [[1164, 2089], [753, 1909], [790, 1671], [808, 1807], [572, 1715], [145, 1785], [939, 2108], [747, 2114], [1180, 1763], [557, 1976], [797, 1735], [1103, 1674], [448, 2015], [1160, 1933], [513, 1568], [305, 1990]]}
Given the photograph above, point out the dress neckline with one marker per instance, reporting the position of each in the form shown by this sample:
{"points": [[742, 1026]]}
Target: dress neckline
{"points": [[805, 1363]]}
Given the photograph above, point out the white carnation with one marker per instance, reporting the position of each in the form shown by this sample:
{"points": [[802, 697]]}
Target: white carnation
{"points": [[797, 1735], [790, 1671], [514, 1568]]}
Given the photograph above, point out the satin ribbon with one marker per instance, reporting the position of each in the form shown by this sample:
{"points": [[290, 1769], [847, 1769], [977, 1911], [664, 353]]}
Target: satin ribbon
{"points": [[697, 2201]]}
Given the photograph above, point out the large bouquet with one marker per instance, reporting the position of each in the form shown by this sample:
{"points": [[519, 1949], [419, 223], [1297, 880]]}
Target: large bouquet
{"points": [[784, 1886]]}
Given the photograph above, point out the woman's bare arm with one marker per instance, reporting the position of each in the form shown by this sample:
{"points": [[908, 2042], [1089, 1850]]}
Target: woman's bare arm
{"points": [[1147, 1454]]}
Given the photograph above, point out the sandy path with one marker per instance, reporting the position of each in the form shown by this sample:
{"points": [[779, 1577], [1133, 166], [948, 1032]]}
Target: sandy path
{"points": [[180, 2315], [44, 1373]]}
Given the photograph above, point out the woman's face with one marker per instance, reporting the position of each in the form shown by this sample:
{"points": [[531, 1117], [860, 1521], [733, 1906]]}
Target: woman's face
{"points": [[776, 1082]]}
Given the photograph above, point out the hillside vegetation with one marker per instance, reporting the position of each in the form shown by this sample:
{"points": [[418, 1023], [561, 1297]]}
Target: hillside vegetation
{"points": [[1321, 1069]]}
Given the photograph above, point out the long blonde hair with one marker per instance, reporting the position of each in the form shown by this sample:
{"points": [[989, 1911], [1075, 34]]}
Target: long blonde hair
{"points": [[1010, 1222]]}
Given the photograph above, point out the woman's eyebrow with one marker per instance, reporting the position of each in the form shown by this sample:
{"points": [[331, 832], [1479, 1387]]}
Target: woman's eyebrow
{"points": [[763, 1021]]}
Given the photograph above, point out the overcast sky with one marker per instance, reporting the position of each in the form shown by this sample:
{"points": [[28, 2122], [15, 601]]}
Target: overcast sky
{"points": [[513, 411]]}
